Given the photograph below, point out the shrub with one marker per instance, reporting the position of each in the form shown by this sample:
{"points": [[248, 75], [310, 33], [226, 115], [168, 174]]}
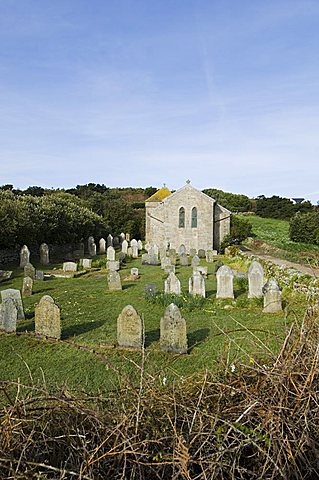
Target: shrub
{"points": [[304, 227]]}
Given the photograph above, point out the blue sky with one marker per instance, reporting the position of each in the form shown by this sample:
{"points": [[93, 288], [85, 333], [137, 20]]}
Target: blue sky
{"points": [[146, 92]]}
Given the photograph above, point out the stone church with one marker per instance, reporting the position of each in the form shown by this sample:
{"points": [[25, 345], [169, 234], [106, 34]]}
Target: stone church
{"points": [[188, 217]]}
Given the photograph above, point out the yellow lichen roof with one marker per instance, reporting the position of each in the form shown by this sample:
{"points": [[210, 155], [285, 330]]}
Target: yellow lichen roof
{"points": [[159, 195]]}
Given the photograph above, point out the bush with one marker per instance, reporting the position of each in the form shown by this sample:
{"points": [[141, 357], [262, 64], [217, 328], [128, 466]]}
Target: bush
{"points": [[304, 227], [240, 229]]}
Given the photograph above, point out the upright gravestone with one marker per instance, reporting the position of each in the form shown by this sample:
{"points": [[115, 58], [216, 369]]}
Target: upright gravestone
{"points": [[122, 237], [27, 287], [15, 295], [134, 251], [122, 259], [145, 259], [195, 261], [225, 277], [109, 240], [29, 271], [124, 246], [147, 247], [209, 256], [201, 253], [140, 245], [24, 256], [44, 254], [91, 247], [162, 253], [127, 237], [192, 252], [70, 267], [39, 275], [114, 281], [182, 250], [183, 260], [272, 297], [113, 265], [110, 253], [8, 315], [102, 246], [87, 263], [173, 335], [165, 262], [116, 241], [129, 328], [196, 284], [172, 284], [172, 255], [134, 272], [129, 252], [133, 242], [153, 256], [255, 280], [47, 318]]}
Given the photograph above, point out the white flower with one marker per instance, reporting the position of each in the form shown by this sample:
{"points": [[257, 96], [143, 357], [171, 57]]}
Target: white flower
{"points": [[232, 368], [164, 380]]}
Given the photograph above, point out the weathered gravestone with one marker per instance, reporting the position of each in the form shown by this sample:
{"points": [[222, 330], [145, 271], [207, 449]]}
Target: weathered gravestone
{"points": [[172, 255], [102, 246], [109, 240], [272, 297], [192, 252], [134, 251], [145, 259], [255, 280], [169, 269], [39, 275], [195, 261], [140, 245], [8, 315], [183, 260], [29, 271], [196, 284], [15, 295], [24, 256], [116, 241], [44, 254], [165, 261], [133, 242], [5, 275], [114, 281], [173, 335], [129, 252], [70, 267], [124, 246], [47, 318], [27, 287], [134, 271], [129, 328], [201, 253], [113, 265], [122, 258], [87, 263], [225, 277], [202, 270], [91, 247], [172, 284], [110, 253], [182, 250], [209, 256]]}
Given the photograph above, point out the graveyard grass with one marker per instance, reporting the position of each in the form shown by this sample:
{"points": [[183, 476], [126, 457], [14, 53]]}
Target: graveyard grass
{"points": [[275, 237], [222, 334]]}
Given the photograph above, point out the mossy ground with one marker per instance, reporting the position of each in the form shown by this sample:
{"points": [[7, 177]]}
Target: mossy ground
{"points": [[87, 358]]}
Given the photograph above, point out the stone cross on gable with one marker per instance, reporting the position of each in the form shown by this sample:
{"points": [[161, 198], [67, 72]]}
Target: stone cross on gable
{"points": [[188, 182]]}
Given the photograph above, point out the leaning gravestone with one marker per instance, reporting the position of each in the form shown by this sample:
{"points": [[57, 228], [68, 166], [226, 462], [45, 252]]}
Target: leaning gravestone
{"points": [[24, 256], [114, 281], [91, 247], [183, 260], [70, 267], [172, 284], [173, 336], [255, 280], [15, 295], [29, 271], [201, 253], [196, 284], [110, 253], [44, 254], [225, 277], [47, 318], [8, 315], [272, 297], [129, 328], [124, 246], [102, 246], [195, 261], [27, 287]]}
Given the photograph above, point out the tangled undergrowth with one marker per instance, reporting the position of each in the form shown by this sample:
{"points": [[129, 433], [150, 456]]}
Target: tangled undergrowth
{"points": [[259, 422]]}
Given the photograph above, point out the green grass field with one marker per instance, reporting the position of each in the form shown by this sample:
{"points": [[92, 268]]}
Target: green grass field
{"points": [[87, 358], [276, 234]]}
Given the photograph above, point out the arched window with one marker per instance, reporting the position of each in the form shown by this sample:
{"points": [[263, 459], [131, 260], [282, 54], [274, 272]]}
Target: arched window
{"points": [[181, 217], [194, 217]]}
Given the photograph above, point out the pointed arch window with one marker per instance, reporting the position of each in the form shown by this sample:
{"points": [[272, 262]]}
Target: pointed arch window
{"points": [[194, 217], [181, 217]]}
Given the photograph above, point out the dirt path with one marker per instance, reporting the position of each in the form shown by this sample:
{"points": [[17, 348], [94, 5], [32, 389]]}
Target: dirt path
{"points": [[312, 271]]}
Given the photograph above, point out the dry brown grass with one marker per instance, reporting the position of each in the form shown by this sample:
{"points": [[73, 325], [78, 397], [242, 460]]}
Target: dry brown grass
{"points": [[260, 422]]}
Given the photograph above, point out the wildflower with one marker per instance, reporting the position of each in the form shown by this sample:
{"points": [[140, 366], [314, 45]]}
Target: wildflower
{"points": [[164, 381], [232, 368]]}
